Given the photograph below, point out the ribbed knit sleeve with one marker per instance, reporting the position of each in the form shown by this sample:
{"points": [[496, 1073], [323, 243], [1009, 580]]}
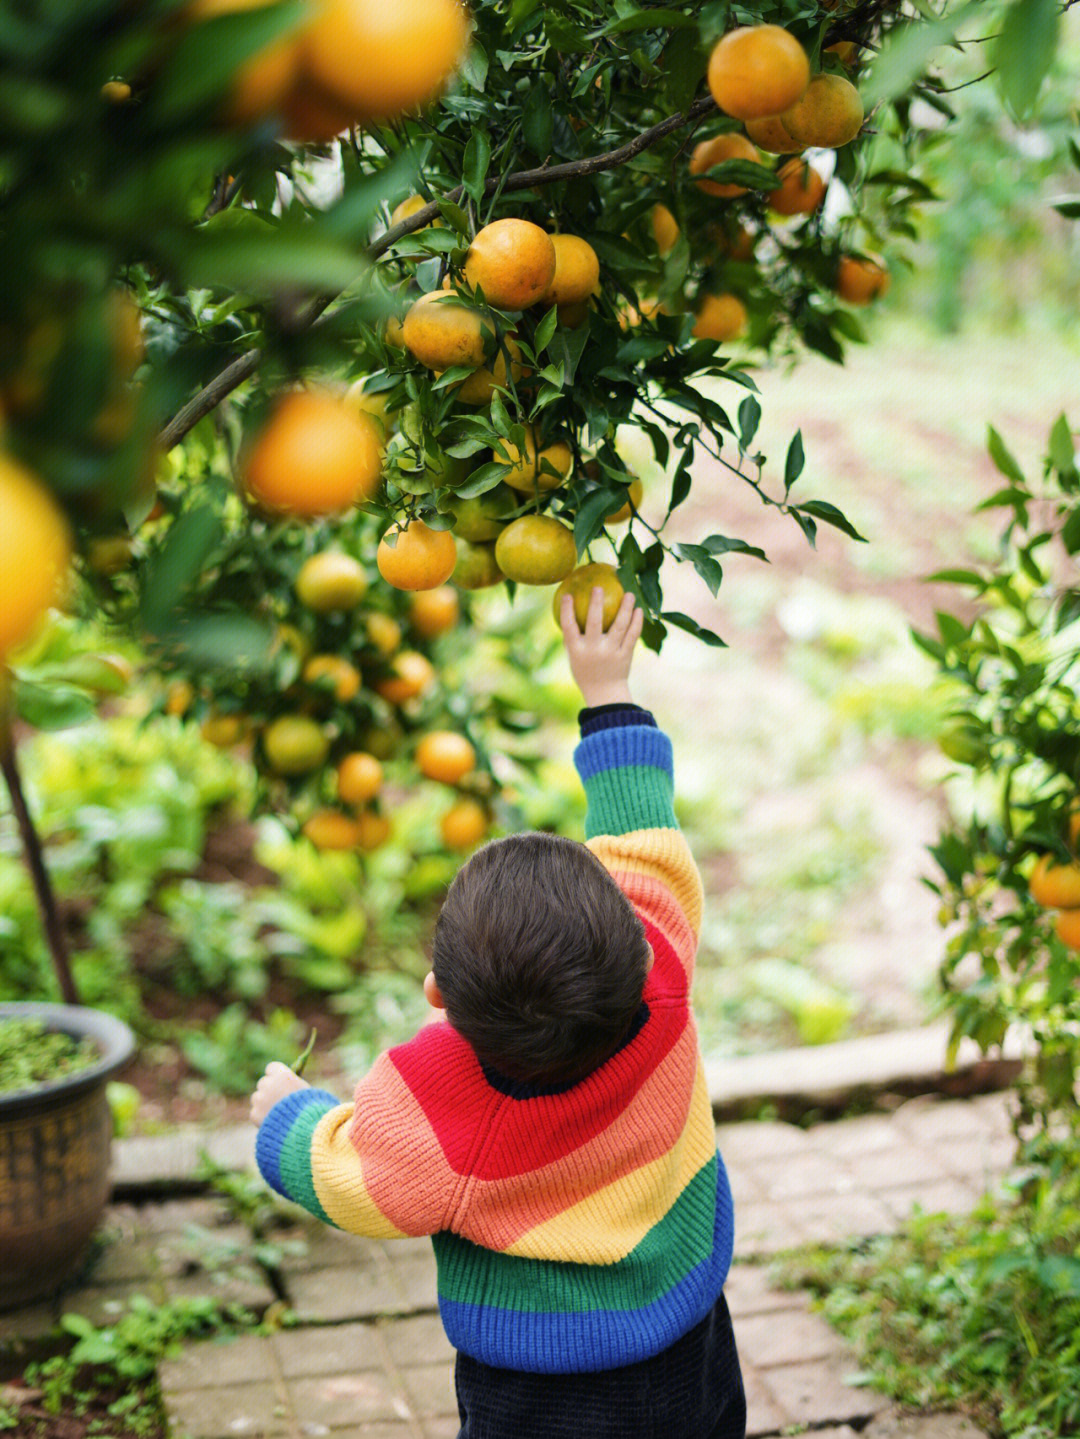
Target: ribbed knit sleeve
{"points": [[626, 768], [369, 1167]]}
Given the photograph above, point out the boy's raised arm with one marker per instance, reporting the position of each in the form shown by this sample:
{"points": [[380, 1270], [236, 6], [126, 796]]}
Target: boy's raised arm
{"points": [[625, 763]]}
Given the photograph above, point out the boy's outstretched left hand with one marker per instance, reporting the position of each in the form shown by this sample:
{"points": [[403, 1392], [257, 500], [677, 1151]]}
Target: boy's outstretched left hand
{"points": [[600, 659], [276, 1083]]}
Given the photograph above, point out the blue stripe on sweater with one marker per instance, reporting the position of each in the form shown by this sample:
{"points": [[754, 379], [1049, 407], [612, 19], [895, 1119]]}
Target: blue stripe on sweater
{"points": [[621, 746], [598, 1339], [276, 1127]]}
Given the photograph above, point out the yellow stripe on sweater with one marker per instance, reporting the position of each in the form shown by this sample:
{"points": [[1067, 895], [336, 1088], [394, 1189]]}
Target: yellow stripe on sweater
{"points": [[663, 854], [605, 1227], [338, 1177]]}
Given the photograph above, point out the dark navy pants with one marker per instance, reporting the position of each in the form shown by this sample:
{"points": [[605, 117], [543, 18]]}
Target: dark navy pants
{"points": [[693, 1390]]}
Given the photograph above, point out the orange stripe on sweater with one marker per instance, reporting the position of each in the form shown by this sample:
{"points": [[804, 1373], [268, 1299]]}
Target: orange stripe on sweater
{"points": [[664, 855]]}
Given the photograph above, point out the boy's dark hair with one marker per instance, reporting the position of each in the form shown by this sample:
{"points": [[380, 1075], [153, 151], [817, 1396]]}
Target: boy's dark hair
{"points": [[540, 958]]}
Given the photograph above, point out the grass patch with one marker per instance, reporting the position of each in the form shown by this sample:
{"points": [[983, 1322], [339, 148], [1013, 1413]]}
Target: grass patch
{"points": [[980, 1313]]}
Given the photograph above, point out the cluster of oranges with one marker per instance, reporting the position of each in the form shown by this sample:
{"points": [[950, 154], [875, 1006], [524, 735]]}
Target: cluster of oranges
{"points": [[761, 76], [1057, 886]]}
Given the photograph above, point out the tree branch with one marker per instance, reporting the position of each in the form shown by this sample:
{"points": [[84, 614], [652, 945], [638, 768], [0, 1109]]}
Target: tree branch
{"points": [[245, 365]]}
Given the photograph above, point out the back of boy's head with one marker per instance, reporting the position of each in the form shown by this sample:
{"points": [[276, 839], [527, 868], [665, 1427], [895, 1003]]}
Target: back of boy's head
{"points": [[540, 958]]}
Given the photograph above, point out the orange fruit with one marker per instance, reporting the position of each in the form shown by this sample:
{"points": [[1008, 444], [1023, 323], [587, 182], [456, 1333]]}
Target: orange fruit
{"points": [[359, 777], [1067, 927], [330, 829], [580, 583], [310, 117], [1055, 885], [860, 281], [35, 551], [224, 730], [524, 472], [483, 517], [801, 189], [411, 673], [464, 824], [476, 567], [178, 698], [294, 744], [536, 550], [712, 152], [572, 317], [331, 582], [634, 492], [479, 387], [261, 81], [117, 92], [383, 632], [343, 678], [409, 206], [512, 261], [445, 755], [315, 455], [736, 245], [846, 51], [757, 70], [442, 332], [433, 612], [375, 829], [577, 272], [419, 559], [769, 134], [827, 115], [719, 318], [665, 229], [380, 60]]}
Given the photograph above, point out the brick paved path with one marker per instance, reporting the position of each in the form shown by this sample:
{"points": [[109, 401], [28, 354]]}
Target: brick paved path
{"points": [[366, 1355]]}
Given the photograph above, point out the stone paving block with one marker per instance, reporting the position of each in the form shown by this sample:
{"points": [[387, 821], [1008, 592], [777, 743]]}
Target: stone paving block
{"points": [[380, 1429], [329, 1296], [430, 1388], [976, 1159], [221, 1363], [815, 1392], [902, 1164], [413, 1277], [790, 1336], [245, 1286], [808, 1174], [105, 1304], [344, 1400], [747, 1184], [314, 1245], [932, 1119], [894, 1424], [748, 1291], [33, 1321], [415, 1341], [844, 1216], [763, 1414], [947, 1196], [327, 1349], [768, 1139], [247, 1411], [767, 1228], [445, 1428], [172, 1216], [864, 1134]]}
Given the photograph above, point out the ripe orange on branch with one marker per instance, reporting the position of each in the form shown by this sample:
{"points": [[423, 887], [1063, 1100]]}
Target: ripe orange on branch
{"points": [[720, 318], [419, 558], [665, 229], [464, 824], [757, 70], [359, 777], [801, 189], [513, 262], [577, 272], [476, 567], [860, 281], [294, 745], [331, 581], [343, 678], [1055, 885], [536, 550], [411, 673], [440, 333], [262, 80], [524, 470], [35, 550], [827, 115], [771, 135], [379, 59], [445, 755], [315, 455], [712, 152], [580, 583], [433, 612], [330, 829]]}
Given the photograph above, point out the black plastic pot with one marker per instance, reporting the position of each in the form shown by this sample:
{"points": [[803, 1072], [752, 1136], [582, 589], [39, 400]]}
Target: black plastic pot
{"points": [[55, 1142]]}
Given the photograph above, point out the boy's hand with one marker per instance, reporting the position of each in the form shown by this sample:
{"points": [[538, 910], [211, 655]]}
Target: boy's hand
{"points": [[600, 661], [276, 1083]]}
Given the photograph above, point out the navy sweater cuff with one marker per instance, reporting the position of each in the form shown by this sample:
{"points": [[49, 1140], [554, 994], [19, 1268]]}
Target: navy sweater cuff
{"points": [[601, 717]]}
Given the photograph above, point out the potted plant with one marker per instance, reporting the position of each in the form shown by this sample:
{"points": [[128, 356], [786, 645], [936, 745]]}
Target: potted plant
{"points": [[55, 1122]]}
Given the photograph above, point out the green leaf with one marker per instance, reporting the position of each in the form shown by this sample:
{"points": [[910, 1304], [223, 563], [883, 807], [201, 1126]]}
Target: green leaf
{"points": [[546, 328], [906, 52], [52, 706], [955, 577], [485, 478], [684, 622], [537, 121], [228, 642], [1024, 51], [263, 264], [566, 348], [1062, 447], [1069, 207], [474, 68], [589, 520], [475, 166], [796, 459], [830, 515], [1002, 458], [722, 545], [173, 569], [650, 20], [749, 419]]}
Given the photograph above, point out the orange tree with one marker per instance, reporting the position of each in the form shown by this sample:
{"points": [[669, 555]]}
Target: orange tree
{"points": [[376, 286]]}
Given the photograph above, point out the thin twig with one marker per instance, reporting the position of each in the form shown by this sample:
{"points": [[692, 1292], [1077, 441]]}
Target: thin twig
{"points": [[245, 365]]}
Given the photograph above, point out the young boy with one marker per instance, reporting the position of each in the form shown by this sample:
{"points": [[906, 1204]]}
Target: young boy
{"points": [[553, 1134]]}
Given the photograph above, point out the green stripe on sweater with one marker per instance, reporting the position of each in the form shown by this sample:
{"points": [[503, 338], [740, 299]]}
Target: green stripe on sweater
{"points": [[294, 1161], [470, 1274], [627, 798]]}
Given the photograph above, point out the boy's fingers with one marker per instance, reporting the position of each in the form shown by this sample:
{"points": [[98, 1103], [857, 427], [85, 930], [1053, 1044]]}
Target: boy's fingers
{"points": [[623, 615], [594, 620], [568, 619]]}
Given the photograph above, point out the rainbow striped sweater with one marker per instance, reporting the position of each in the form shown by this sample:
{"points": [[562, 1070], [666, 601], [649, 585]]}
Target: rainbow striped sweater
{"points": [[577, 1228]]}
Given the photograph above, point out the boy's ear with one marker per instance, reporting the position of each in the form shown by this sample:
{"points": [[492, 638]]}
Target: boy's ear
{"points": [[649, 962], [432, 993]]}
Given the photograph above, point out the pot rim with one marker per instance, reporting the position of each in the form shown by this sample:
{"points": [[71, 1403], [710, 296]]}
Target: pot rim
{"points": [[114, 1037]]}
